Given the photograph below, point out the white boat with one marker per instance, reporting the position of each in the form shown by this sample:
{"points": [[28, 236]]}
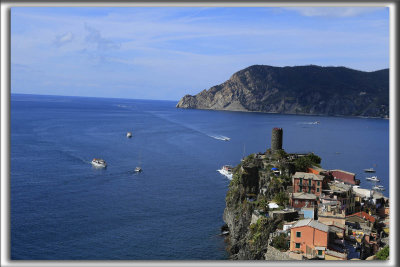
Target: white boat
{"points": [[138, 169], [225, 138], [99, 163], [129, 134], [379, 188], [373, 178], [369, 170], [227, 171]]}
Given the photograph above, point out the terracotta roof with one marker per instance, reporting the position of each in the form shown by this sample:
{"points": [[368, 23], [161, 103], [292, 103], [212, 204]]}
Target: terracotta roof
{"points": [[362, 214]]}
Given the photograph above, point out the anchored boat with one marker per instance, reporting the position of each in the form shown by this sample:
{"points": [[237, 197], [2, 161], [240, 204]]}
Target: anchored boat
{"points": [[99, 163], [373, 178]]}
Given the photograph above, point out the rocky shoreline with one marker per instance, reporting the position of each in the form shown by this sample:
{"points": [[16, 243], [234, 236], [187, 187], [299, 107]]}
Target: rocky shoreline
{"points": [[302, 90]]}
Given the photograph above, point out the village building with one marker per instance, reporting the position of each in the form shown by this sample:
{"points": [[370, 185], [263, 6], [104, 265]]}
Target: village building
{"points": [[301, 200], [342, 193], [345, 177], [309, 237], [307, 182], [330, 212]]}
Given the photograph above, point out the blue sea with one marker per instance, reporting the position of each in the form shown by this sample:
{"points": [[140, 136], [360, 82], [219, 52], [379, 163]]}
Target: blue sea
{"points": [[62, 208]]}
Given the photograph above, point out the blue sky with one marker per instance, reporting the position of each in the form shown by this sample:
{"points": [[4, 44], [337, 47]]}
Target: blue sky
{"points": [[167, 52]]}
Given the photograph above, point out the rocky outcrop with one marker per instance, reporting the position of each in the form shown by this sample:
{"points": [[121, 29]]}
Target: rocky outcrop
{"points": [[247, 239], [298, 90]]}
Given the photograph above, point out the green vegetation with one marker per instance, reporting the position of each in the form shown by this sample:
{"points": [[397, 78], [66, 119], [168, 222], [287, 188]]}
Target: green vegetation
{"points": [[383, 254], [258, 230], [281, 198], [280, 242], [303, 163], [280, 154]]}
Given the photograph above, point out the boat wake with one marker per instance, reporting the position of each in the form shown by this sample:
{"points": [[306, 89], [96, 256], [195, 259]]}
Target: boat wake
{"points": [[220, 137], [309, 122]]}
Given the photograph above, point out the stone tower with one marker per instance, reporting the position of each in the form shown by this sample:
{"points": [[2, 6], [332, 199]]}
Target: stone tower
{"points": [[276, 139]]}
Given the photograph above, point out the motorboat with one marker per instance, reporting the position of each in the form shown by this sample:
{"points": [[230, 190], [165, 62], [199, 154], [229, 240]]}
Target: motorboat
{"points": [[129, 134], [226, 170], [369, 170], [138, 169], [373, 178], [99, 163], [379, 188]]}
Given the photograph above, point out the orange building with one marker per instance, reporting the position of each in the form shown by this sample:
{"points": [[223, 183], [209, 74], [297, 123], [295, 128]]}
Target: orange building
{"points": [[307, 182], [309, 237]]}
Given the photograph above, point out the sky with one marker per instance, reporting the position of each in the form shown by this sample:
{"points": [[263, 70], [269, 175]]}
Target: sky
{"points": [[167, 52]]}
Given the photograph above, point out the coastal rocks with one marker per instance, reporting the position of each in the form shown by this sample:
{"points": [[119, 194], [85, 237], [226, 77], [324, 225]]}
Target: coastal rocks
{"points": [[246, 238], [274, 254], [298, 90]]}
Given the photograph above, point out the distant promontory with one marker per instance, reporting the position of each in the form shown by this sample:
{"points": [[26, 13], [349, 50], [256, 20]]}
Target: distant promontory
{"points": [[314, 90]]}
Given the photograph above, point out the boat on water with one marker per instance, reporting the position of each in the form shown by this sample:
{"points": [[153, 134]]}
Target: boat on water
{"points": [[225, 139], [373, 178], [138, 169], [99, 163], [226, 170], [369, 170], [129, 134], [379, 188]]}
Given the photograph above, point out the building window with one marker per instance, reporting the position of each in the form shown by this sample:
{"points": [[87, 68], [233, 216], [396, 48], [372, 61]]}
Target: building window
{"points": [[309, 190], [309, 182], [297, 245], [318, 183], [298, 234], [296, 202], [317, 189], [319, 252]]}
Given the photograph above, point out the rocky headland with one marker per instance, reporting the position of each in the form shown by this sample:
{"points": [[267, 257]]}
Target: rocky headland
{"points": [[314, 90], [254, 185]]}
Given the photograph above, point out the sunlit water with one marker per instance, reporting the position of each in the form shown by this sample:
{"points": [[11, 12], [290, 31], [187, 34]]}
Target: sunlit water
{"points": [[63, 208]]}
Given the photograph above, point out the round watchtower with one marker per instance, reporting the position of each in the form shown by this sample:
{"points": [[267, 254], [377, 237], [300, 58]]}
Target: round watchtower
{"points": [[276, 139]]}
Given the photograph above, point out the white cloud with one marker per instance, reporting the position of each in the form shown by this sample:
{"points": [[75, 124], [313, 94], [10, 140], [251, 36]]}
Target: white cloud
{"points": [[333, 11], [63, 39]]}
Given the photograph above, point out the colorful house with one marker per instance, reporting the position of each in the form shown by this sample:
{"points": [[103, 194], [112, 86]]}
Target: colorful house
{"points": [[307, 182], [344, 176], [309, 237], [301, 200]]}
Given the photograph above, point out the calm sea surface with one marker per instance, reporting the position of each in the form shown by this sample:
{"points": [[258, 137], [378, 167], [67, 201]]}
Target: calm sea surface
{"points": [[63, 208]]}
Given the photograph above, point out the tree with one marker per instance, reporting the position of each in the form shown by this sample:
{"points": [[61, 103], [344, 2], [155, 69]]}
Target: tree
{"points": [[301, 164], [281, 199], [383, 254], [314, 158], [280, 242]]}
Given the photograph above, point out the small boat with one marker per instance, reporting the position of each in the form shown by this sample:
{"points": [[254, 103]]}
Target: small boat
{"points": [[227, 171], [369, 170], [99, 163], [379, 188], [129, 134], [138, 169], [373, 178], [225, 139]]}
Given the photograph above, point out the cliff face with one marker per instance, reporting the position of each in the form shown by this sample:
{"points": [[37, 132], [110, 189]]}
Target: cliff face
{"points": [[247, 240], [298, 90]]}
